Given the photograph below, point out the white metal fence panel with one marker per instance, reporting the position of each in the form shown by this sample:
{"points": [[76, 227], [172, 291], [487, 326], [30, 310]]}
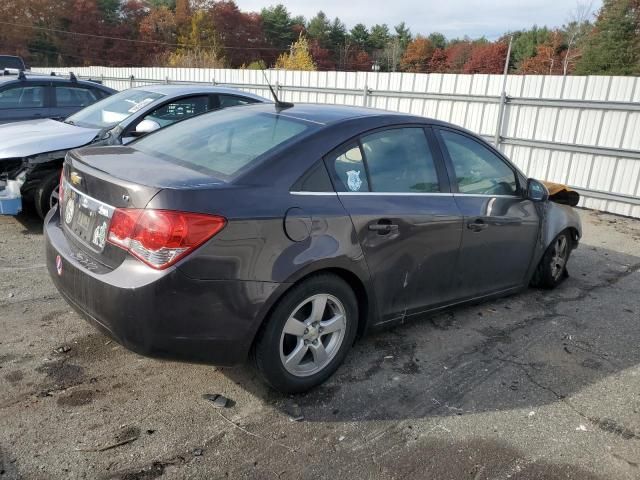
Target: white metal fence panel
{"points": [[581, 131]]}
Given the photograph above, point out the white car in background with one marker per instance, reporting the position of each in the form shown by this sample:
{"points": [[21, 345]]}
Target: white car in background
{"points": [[32, 152]]}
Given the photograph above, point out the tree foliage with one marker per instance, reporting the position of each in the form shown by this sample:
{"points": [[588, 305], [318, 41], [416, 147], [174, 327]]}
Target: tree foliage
{"points": [[298, 58], [218, 33], [279, 27], [417, 55], [613, 48]]}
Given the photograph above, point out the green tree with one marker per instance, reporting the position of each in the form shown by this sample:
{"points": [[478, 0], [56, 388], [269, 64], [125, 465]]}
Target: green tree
{"points": [[438, 40], [526, 43], [359, 35], [318, 29], [337, 34], [379, 37], [278, 26], [403, 34], [614, 46], [109, 9]]}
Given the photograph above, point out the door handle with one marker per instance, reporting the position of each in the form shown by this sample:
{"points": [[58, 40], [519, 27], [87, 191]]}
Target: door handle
{"points": [[496, 220], [382, 227], [477, 225]]}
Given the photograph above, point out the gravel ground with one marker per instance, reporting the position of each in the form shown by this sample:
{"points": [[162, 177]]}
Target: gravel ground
{"points": [[539, 385]]}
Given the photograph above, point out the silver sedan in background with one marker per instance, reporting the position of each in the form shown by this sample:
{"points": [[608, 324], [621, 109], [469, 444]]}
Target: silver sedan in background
{"points": [[32, 152]]}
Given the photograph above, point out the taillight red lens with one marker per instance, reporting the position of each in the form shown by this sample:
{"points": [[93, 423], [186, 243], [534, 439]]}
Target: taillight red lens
{"points": [[161, 237], [122, 225]]}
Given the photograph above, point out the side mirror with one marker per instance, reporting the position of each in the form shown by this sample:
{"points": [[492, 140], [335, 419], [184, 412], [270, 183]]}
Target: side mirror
{"points": [[146, 126], [536, 191]]}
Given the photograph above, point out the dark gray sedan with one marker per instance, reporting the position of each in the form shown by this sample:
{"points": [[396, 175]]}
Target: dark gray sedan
{"points": [[31, 97], [289, 233]]}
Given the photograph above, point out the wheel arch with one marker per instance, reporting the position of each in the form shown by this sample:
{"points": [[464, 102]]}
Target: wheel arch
{"points": [[557, 219], [367, 311], [37, 172]]}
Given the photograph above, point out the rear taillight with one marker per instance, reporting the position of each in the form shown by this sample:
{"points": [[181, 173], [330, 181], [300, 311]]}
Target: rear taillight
{"points": [[161, 237]]}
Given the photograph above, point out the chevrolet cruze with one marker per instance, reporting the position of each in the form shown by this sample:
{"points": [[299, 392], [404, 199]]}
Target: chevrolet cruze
{"points": [[283, 234]]}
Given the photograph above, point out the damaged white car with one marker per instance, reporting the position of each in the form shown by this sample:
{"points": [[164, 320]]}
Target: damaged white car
{"points": [[32, 152]]}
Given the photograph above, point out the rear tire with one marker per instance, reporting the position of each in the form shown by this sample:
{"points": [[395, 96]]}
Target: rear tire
{"points": [[46, 194], [308, 334], [552, 269]]}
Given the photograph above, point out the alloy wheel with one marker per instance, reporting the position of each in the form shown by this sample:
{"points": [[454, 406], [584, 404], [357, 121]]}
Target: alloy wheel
{"points": [[312, 335], [54, 197], [559, 257]]}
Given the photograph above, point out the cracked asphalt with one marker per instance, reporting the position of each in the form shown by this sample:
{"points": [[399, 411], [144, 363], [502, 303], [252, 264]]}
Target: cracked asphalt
{"points": [[541, 385]]}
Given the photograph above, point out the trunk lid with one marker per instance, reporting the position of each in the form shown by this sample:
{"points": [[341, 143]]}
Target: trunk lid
{"points": [[91, 195], [97, 180], [134, 167]]}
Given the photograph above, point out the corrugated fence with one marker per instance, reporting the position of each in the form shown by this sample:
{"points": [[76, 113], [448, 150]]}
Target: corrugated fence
{"points": [[580, 131]]}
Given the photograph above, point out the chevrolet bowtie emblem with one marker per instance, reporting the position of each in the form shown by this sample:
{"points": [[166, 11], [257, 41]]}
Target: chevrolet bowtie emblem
{"points": [[75, 178]]}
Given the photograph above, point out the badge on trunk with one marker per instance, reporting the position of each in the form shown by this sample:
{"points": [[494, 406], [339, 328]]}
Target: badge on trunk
{"points": [[69, 210], [99, 235]]}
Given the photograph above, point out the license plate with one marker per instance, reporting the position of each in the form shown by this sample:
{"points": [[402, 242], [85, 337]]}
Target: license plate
{"points": [[83, 221], [87, 218]]}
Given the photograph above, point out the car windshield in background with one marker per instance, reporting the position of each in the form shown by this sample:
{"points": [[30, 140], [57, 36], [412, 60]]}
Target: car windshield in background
{"points": [[11, 62], [222, 143], [114, 109]]}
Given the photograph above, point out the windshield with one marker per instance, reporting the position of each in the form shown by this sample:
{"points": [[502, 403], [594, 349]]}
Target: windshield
{"points": [[222, 143], [112, 110], [11, 62]]}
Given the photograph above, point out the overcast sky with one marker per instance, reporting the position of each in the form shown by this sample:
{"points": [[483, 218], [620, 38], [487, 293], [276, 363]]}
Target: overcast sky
{"points": [[454, 18]]}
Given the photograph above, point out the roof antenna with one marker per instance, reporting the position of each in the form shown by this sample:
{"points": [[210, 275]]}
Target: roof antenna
{"points": [[72, 77], [22, 76], [279, 104]]}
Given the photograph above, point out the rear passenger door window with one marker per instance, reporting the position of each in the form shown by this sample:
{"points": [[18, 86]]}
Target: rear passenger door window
{"points": [[400, 160], [78, 97], [350, 172], [31, 96], [226, 101], [23, 102], [477, 169], [179, 110]]}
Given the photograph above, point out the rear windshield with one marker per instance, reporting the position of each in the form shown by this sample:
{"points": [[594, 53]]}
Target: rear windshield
{"points": [[222, 143]]}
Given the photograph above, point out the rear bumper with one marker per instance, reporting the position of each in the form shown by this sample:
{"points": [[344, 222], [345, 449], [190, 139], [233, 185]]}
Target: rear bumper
{"points": [[160, 313]]}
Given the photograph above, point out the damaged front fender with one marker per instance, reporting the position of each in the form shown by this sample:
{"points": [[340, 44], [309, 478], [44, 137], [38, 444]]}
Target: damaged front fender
{"points": [[555, 218], [20, 176]]}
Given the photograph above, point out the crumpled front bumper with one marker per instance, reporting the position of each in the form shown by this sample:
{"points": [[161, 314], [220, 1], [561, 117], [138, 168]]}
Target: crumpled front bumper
{"points": [[10, 195]]}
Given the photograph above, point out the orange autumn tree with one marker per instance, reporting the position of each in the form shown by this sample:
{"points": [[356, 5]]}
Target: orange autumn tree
{"points": [[417, 55], [549, 57], [486, 58]]}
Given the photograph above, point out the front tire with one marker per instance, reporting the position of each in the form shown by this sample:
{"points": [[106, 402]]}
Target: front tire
{"points": [[552, 269], [46, 195], [308, 334]]}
